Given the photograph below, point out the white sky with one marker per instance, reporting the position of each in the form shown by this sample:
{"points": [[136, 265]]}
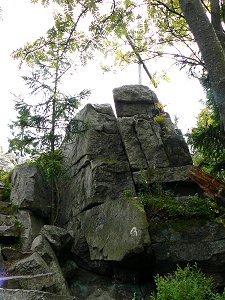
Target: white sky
{"points": [[23, 22]]}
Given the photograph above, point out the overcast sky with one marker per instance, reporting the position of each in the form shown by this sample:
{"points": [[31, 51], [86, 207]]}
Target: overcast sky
{"points": [[22, 22]]}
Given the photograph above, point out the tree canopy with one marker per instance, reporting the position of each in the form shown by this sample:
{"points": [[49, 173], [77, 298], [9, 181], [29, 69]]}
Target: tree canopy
{"points": [[190, 32]]}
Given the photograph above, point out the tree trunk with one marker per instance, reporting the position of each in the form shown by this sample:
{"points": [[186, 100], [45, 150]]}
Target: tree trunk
{"points": [[216, 21], [211, 50]]}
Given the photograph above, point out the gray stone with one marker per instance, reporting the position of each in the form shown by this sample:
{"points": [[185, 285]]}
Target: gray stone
{"points": [[98, 170], [41, 246], [9, 226], [164, 175], [31, 226], [115, 230], [177, 150], [11, 254], [29, 191], [19, 294], [143, 143], [31, 265], [182, 242], [133, 100], [60, 239]]}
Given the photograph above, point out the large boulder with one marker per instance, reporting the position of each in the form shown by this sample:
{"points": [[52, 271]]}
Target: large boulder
{"points": [[150, 139], [29, 190], [30, 225], [32, 273], [133, 100], [42, 247], [60, 239], [116, 230]]}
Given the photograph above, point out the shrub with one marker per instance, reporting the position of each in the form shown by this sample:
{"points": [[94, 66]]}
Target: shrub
{"points": [[5, 178], [185, 284], [166, 205], [162, 203]]}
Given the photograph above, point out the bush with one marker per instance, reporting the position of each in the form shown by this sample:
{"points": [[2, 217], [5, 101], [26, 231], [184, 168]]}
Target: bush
{"points": [[166, 205], [162, 203], [185, 284], [5, 178]]}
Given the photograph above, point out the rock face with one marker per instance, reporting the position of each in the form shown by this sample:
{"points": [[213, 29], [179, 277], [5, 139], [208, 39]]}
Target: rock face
{"points": [[149, 136], [122, 222], [183, 242], [98, 178], [29, 191]]}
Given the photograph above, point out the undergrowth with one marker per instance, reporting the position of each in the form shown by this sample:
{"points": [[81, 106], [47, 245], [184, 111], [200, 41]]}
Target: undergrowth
{"points": [[163, 204], [185, 284], [5, 178]]}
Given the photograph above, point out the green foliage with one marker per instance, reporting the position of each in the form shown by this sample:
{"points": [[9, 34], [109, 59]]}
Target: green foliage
{"points": [[5, 178], [166, 206], [185, 284], [160, 119], [163, 204], [50, 165], [206, 139]]}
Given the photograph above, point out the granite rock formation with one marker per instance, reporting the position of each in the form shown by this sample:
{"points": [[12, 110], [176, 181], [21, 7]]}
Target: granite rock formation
{"points": [[104, 246]]}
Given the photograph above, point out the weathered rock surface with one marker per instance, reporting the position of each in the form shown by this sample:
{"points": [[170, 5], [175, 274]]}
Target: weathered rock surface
{"points": [[19, 294], [149, 142], [29, 190], [98, 167], [163, 175], [42, 247], [122, 223], [182, 242], [143, 143], [100, 176], [133, 100], [9, 226], [60, 239], [31, 265], [30, 227], [38, 271]]}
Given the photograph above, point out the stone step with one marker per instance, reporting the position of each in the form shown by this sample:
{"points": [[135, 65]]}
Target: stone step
{"points": [[17, 294]]}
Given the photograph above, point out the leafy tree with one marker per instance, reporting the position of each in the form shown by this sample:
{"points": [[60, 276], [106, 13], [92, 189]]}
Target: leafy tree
{"points": [[155, 28], [205, 139]]}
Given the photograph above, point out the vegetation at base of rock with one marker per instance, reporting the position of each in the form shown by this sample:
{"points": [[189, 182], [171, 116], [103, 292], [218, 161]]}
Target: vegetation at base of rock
{"points": [[166, 206], [161, 203], [185, 284], [51, 166], [5, 179]]}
